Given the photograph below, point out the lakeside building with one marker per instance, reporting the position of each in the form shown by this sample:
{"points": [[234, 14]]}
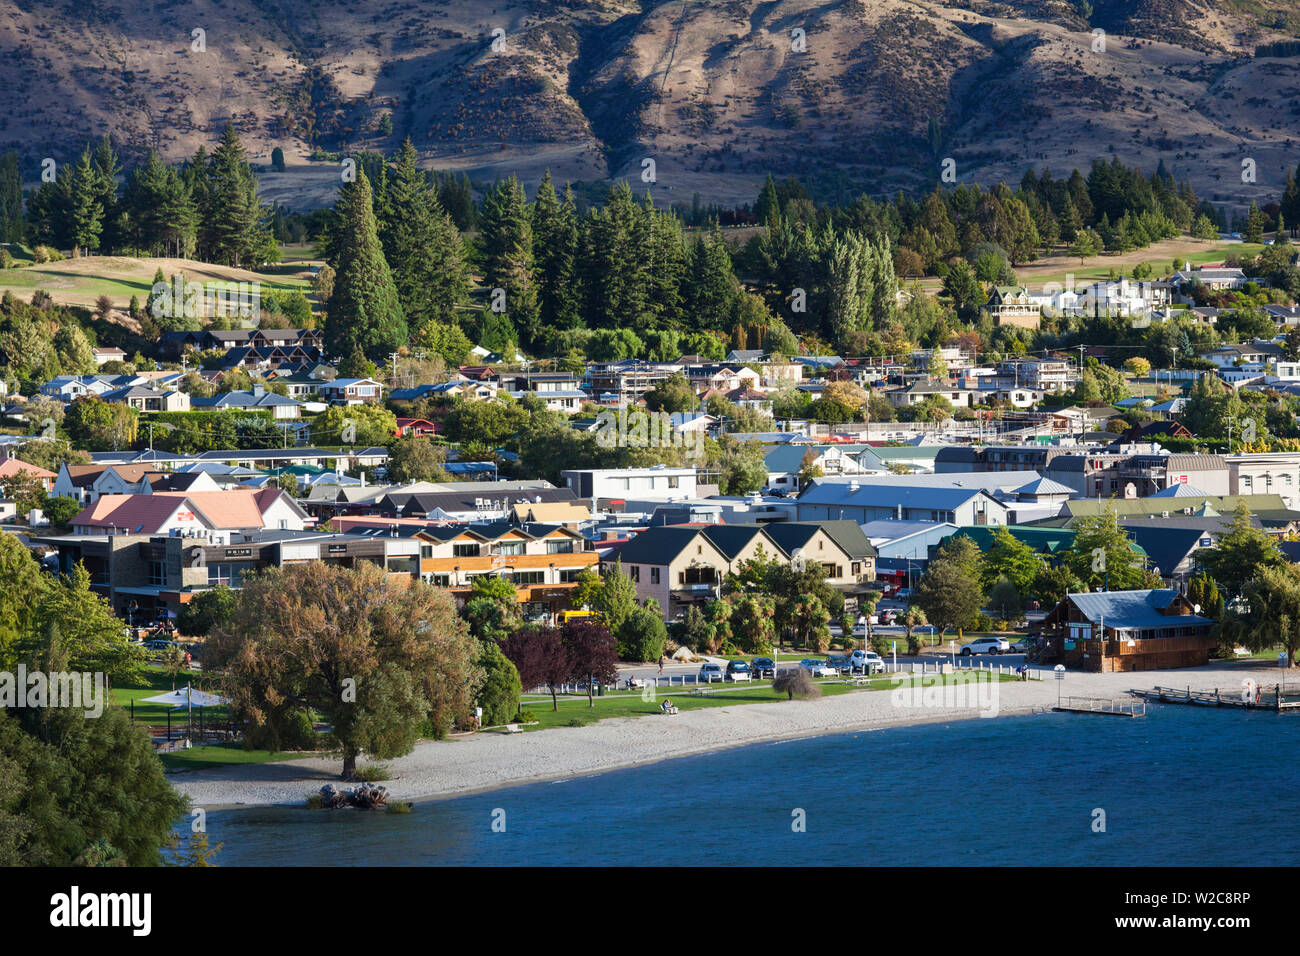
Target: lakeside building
{"points": [[1140, 630]]}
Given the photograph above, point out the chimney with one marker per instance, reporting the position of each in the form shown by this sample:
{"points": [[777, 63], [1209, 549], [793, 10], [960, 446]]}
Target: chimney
{"points": [[259, 391]]}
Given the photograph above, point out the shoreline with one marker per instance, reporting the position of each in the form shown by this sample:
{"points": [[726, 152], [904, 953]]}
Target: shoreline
{"points": [[483, 762]]}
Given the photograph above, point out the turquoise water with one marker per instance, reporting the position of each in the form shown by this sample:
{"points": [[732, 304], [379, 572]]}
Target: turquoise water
{"points": [[1181, 786]]}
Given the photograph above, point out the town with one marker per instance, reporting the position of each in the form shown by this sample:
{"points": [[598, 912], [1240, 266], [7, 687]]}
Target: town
{"points": [[441, 485]]}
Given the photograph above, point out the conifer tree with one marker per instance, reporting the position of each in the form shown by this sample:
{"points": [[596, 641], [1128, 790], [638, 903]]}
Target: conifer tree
{"points": [[507, 247], [555, 237], [422, 245], [364, 310]]}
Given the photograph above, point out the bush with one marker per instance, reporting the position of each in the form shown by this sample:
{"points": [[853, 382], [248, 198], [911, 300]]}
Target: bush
{"points": [[398, 806], [370, 773], [42, 254], [499, 695], [527, 717], [6, 259], [315, 801], [796, 682], [642, 636]]}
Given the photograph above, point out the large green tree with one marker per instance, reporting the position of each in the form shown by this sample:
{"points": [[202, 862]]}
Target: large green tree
{"points": [[364, 310]]}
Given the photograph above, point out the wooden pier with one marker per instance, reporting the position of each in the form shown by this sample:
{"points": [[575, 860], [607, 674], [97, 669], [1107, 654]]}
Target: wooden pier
{"points": [[1275, 699], [1118, 706]]}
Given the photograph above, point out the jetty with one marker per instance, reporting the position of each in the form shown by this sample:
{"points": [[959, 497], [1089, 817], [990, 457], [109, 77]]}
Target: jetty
{"points": [[1259, 698], [1117, 706]]}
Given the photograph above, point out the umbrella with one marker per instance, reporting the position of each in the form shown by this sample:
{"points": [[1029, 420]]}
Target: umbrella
{"points": [[187, 697]]}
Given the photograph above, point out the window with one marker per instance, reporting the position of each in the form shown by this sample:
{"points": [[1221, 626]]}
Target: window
{"points": [[509, 547], [672, 481], [157, 573], [440, 580], [634, 572], [529, 577], [426, 550], [654, 575], [465, 550], [570, 575], [703, 575], [559, 547]]}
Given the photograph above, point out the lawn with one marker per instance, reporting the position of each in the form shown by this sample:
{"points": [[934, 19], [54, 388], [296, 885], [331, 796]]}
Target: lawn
{"points": [[573, 710], [155, 715]]}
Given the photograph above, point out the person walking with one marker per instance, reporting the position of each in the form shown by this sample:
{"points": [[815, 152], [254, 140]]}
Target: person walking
{"points": [[662, 659]]}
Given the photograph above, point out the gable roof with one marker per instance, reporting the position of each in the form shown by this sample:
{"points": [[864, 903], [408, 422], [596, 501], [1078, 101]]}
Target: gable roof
{"points": [[792, 535], [1131, 609], [658, 545]]}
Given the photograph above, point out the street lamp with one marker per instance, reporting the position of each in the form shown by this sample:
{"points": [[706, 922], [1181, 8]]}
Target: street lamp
{"points": [[1060, 676]]}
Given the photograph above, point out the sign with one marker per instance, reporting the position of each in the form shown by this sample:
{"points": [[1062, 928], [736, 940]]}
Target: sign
{"points": [[338, 548], [239, 552]]}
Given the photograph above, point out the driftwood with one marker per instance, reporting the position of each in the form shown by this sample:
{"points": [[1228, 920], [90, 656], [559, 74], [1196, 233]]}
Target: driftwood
{"points": [[368, 796]]}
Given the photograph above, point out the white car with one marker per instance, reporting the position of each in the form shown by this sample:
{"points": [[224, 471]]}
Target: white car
{"points": [[710, 673], [986, 645], [818, 668]]}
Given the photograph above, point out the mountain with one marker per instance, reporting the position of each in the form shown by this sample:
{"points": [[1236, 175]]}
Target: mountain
{"points": [[849, 95]]}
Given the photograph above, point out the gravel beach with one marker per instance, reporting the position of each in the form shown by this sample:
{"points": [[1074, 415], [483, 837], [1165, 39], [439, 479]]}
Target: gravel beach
{"points": [[489, 760]]}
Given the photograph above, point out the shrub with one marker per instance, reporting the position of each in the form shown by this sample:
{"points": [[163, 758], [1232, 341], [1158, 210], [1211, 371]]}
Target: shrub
{"points": [[6, 259], [499, 695], [315, 801], [642, 636], [42, 254], [374, 771], [796, 682], [527, 717], [398, 806]]}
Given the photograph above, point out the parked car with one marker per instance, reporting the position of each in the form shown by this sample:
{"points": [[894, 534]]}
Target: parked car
{"points": [[817, 668], [1021, 646], [738, 671], [986, 645], [711, 672], [763, 667], [159, 645], [866, 662], [904, 594]]}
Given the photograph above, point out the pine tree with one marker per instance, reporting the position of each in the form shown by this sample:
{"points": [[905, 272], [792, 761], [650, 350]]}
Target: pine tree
{"points": [[422, 245], [555, 237], [1254, 231], [769, 205], [711, 285], [11, 199], [231, 214], [84, 204], [107, 169], [506, 234], [364, 310]]}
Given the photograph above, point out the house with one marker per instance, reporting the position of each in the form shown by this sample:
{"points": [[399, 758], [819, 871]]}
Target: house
{"points": [[600, 484], [141, 574], [684, 565], [1012, 305], [67, 388], [864, 500], [145, 399], [1127, 631], [350, 391], [464, 389], [1266, 473], [1213, 278], [784, 463], [10, 467], [259, 399], [417, 427], [103, 355], [724, 377], [180, 512]]}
